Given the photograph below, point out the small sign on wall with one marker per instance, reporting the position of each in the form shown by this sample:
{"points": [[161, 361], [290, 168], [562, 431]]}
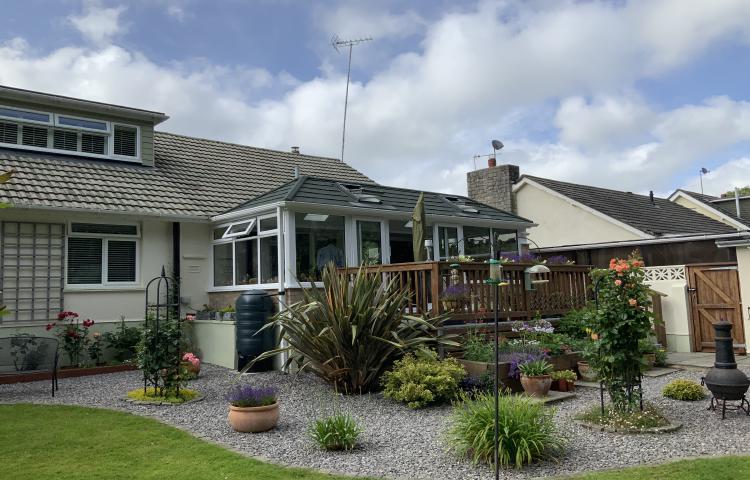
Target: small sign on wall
{"points": [[194, 269]]}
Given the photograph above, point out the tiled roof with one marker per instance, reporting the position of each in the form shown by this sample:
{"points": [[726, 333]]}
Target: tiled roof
{"points": [[726, 208], [192, 177], [324, 191], [659, 218]]}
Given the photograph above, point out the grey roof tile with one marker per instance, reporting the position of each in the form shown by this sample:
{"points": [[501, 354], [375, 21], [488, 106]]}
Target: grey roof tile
{"points": [[660, 218]]}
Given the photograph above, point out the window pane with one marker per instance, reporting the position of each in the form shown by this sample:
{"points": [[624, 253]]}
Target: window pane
{"points": [[65, 140], [477, 242], [24, 115], [219, 232], [448, 242], [246, 262], [223, 265], [104, 228], [319, 240], [8, 132], [34, 136], [84, 261], [368, 242], [125, 140], [268, 224], [92, 143], [269, 259], [505, 241], [400, 240], [120, 261], [238, 229], [79, 122]]}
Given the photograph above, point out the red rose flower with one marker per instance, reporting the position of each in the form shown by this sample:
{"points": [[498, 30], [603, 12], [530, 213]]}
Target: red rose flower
{"points": [[49, 326], [87, 323]]}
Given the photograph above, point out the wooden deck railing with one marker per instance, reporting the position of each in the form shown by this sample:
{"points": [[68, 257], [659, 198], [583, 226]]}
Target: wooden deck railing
{"points": [[567, 289]]}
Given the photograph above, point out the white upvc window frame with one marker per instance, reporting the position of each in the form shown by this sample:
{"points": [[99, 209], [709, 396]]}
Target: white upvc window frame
{"points": [[250, 224], [436, 238], [126, 158], [355, 247], [233, 240], [23, 120], [106, 123], [105, 238]]}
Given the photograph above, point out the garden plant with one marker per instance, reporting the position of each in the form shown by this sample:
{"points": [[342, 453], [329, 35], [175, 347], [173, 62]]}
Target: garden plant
{"points": [[73, 335], [336, 432], [423, 380], [686, 390]]}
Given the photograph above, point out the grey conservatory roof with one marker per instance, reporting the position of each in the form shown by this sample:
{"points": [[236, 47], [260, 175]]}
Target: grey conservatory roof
{"points": [[192, 178], [659, 217], [350, 195]]}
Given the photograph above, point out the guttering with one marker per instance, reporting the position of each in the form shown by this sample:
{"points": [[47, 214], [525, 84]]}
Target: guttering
{"points": [[160, 216], [624, 243]]}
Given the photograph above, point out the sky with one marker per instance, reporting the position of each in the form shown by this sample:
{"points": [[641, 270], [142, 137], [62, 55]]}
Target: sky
{"points": [[632, 95]]}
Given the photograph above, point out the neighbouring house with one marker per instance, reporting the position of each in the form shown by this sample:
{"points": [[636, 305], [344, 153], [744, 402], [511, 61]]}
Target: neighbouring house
{"points": [[693, 246], [101, 201]]}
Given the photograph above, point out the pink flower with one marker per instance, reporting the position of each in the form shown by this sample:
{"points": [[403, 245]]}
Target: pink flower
{"points": [[190, 317], [633, 302], [87, 323], [618, 282]]}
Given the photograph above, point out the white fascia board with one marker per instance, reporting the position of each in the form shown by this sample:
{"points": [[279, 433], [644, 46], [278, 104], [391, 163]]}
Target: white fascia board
{"points": [[586, 208], [400, 215], [270, 208], [715, 211], [651, 241]]}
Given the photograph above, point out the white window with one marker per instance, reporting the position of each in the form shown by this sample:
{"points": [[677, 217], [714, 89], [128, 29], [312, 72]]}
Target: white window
{"points": [[68, 134], [246, 252], [103, 254]]}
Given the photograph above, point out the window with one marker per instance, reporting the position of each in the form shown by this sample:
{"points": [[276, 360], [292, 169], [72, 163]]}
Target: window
{"points": [[102, 254], [506, 241], [319, 240], [369, 243], [477, 242], [243, 256], [447, 242], [401, 241], [63, 133]]}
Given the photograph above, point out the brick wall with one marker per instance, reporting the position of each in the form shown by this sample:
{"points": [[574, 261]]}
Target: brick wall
{"points": [[494, 186]]}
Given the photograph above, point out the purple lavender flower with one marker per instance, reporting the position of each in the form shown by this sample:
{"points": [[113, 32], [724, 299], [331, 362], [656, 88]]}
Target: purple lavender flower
{"points": [[456, 292], [249, 396], [517, 359], [559, 260]]}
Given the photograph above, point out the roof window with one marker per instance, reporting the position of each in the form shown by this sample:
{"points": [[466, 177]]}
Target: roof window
{"points": [[361, 194]]}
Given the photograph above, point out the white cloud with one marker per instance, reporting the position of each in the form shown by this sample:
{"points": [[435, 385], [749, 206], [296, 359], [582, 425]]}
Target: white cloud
{"points": [[479, 73], [99, 24], [734, 173], [368, 19]]}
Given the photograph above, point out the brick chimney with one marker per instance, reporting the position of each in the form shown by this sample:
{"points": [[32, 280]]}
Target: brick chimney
{"points": [[494, 186]]}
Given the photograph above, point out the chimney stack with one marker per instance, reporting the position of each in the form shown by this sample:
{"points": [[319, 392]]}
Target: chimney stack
{"points": [[492, 162], [295, 149], [494, 185]]}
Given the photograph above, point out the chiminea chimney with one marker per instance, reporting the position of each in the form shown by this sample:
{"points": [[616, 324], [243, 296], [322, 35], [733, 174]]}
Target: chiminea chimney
{"points": [[295, 149], [494, 185]]}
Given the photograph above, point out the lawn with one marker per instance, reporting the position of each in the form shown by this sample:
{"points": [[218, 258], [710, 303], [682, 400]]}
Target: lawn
{"points": [[84, 443]]}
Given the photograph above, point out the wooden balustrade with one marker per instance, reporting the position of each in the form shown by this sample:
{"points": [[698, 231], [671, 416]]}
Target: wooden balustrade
{"points": [[566, 289]]}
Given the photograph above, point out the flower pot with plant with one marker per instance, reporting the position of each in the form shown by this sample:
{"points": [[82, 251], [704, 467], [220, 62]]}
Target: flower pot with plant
{"points": [[535, 377], [587, 372], [455, 297], [564, 380], [252, 409]]}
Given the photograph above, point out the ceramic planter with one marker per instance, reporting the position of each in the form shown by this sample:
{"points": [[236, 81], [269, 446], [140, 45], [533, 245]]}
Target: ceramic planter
{"points": [[536, 386], [564, 386], [587, 373], [253, 419]]}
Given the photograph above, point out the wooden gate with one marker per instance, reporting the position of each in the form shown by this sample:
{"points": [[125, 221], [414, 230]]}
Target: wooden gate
{"points": [[714, 295]]}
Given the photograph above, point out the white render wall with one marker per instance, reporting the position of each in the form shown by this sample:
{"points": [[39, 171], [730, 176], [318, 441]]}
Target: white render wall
{"points": [[671, 281], [743, 270]]}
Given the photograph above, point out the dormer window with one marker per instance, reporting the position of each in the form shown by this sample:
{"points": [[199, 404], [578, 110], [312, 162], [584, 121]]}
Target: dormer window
{"points": [[69, 134]]}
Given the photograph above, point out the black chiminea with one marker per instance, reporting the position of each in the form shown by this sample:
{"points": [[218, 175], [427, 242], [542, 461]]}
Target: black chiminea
{"points": [[725, 382]]}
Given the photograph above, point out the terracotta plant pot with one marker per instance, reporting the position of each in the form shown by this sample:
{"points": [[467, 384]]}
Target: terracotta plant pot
{"points": [[587, 373], [570, 385], [650, 359], [253, 419], [537, 386]]}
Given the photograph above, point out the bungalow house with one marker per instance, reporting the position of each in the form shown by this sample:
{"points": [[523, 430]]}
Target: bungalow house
{"points": [[694, 249], [101, 200]]}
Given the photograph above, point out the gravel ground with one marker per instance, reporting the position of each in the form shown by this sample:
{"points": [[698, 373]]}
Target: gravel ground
{"points": [[400, 443]]}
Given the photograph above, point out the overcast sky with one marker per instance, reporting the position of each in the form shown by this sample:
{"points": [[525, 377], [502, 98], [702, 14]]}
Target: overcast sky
{"points": [[633, 95]]}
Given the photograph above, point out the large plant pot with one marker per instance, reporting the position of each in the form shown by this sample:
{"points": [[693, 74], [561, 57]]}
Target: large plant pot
{"points": [[253, 419], [537, 386], [477, 369], [587, 373], [650, 360]]}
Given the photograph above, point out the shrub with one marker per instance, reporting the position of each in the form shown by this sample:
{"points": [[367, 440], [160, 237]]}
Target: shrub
{"points": [[477, 348], [124, 341], [353, 329], [618, 419], [249, 396], [337, 432], [576, 323], [423, 381], [471, 385], [73, 335], [159, 353], [568, 375], [661, 357], [687, 390], [156, 395], [535, 368], [527, 431]]}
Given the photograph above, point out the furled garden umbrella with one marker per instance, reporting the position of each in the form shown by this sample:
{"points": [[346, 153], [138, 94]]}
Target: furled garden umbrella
{"points": [[418, 225]]}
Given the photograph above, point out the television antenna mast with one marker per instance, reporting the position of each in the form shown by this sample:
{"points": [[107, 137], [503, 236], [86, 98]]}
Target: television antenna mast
{"points": [[338, 43]]}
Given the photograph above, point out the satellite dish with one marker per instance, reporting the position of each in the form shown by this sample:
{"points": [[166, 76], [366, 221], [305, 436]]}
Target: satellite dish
{"points": [[497, 144]]}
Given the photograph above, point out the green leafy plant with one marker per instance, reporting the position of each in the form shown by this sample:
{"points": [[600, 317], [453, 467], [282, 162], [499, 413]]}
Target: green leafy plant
{"points": [[632, 421], [621, 322], [568, 375], [535, 368], [157, 395], [661, 357], [73, 335], [477, 348], [336, 432], [95, 348], [686, 390], [159, 354], [577, 323], [527, 430], [353, 329], [124, 341], [422, 381]]}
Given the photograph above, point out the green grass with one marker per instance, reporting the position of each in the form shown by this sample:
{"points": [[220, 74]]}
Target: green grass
{"points": [[152, 396], [721, 468], [78, 443]]}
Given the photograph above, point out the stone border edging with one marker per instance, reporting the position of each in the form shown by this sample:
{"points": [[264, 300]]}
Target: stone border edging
{"points": [[672, 427], [198, 398]]}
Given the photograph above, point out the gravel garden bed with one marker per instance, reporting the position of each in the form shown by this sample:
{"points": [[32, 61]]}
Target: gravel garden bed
{"points": [[399, 442]]}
